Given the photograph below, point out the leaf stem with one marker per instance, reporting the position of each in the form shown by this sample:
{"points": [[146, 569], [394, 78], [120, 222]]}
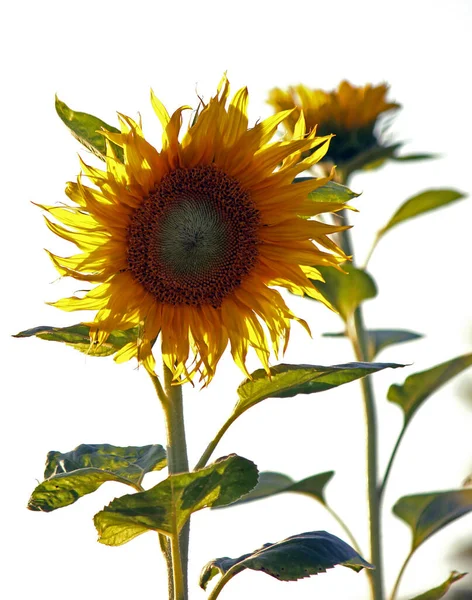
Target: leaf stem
{"points": [[400, 575], [214, 442], [345, 528], [390, 462]]}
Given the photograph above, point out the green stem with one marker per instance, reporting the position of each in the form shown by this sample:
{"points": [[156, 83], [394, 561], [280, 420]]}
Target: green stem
{"points": [[175, 548], [400, 575], [214, 442], [357, 334], [177, 462]]}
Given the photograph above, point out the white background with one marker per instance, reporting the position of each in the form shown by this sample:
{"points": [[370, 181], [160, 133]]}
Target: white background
{"points": [[104, 56]]}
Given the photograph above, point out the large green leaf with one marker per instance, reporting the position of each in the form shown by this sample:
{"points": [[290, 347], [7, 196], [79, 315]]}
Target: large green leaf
{"points": [[167, 506], [286, 381], [271, 483], [74, 474], [291, 559], [378, 339], [418, 387], [420, 204], [330, 192], [440, 591], [85, 128], [428, 513], [78, 336], [346, 291]]}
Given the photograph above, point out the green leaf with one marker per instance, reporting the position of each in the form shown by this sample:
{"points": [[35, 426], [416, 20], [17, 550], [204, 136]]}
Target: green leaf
{"points": [[418, 387], [420, 204], [415, 157], [440, 591], [378, 339], [167, 506], [286, 381], [428, 513], [294, 558], [271, 483], [78, 336], [346, 291], [84, 128], [74, 474], [330, 192]]}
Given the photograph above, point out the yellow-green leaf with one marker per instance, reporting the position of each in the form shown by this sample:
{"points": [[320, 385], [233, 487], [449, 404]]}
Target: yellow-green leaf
{"points": [[167, 506], [346, 291], [84, 128], [78, 337], [71, 475], [420, 204], [286, 381]]}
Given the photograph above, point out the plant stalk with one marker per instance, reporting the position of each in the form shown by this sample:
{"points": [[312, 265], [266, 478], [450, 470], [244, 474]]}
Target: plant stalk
{"points": [[177, 462], [357, 334]]}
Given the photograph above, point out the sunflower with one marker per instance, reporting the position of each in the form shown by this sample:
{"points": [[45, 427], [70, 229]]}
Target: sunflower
{"points": [[185, 243], [351, 113]]}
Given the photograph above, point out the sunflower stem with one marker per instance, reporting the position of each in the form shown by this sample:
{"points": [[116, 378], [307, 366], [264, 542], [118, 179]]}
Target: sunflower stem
{"points": [[177, 462], [357, 335]]}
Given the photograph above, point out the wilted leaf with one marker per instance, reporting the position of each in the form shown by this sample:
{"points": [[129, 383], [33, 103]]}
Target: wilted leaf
{"points": [[167, 506], [84, 128], [440, 591], [378, 339], [428, 513], [74, 474], [418, 387], [271, 483], [291, 559], [78, 336], [346, 291], [287, 381]]}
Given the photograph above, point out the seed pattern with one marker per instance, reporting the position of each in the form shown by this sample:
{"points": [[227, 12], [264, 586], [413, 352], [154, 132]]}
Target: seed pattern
{"points": [[194, 238]]}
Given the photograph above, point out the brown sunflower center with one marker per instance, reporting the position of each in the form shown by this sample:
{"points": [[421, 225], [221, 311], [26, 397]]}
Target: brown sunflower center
{"points": [[194, 238]]}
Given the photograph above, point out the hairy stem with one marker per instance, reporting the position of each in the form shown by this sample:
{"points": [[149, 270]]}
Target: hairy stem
{"points": [[175, 548], [357, 334]]}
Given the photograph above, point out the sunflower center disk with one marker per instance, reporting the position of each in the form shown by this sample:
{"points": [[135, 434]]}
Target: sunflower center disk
{"points": [[194, 238]]}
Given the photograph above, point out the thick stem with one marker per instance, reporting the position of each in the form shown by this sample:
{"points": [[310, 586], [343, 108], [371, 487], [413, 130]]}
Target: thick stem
{"points": [[177, 462], [357, 335]]}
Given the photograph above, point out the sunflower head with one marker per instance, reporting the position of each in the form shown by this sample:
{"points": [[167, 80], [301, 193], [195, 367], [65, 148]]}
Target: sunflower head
{"points": [[185, 243], [351, 113]]}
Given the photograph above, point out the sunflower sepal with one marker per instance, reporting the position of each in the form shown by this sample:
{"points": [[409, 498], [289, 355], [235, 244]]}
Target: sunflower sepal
{"points": [[87, 129], [71, 475], [79, 337]]}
